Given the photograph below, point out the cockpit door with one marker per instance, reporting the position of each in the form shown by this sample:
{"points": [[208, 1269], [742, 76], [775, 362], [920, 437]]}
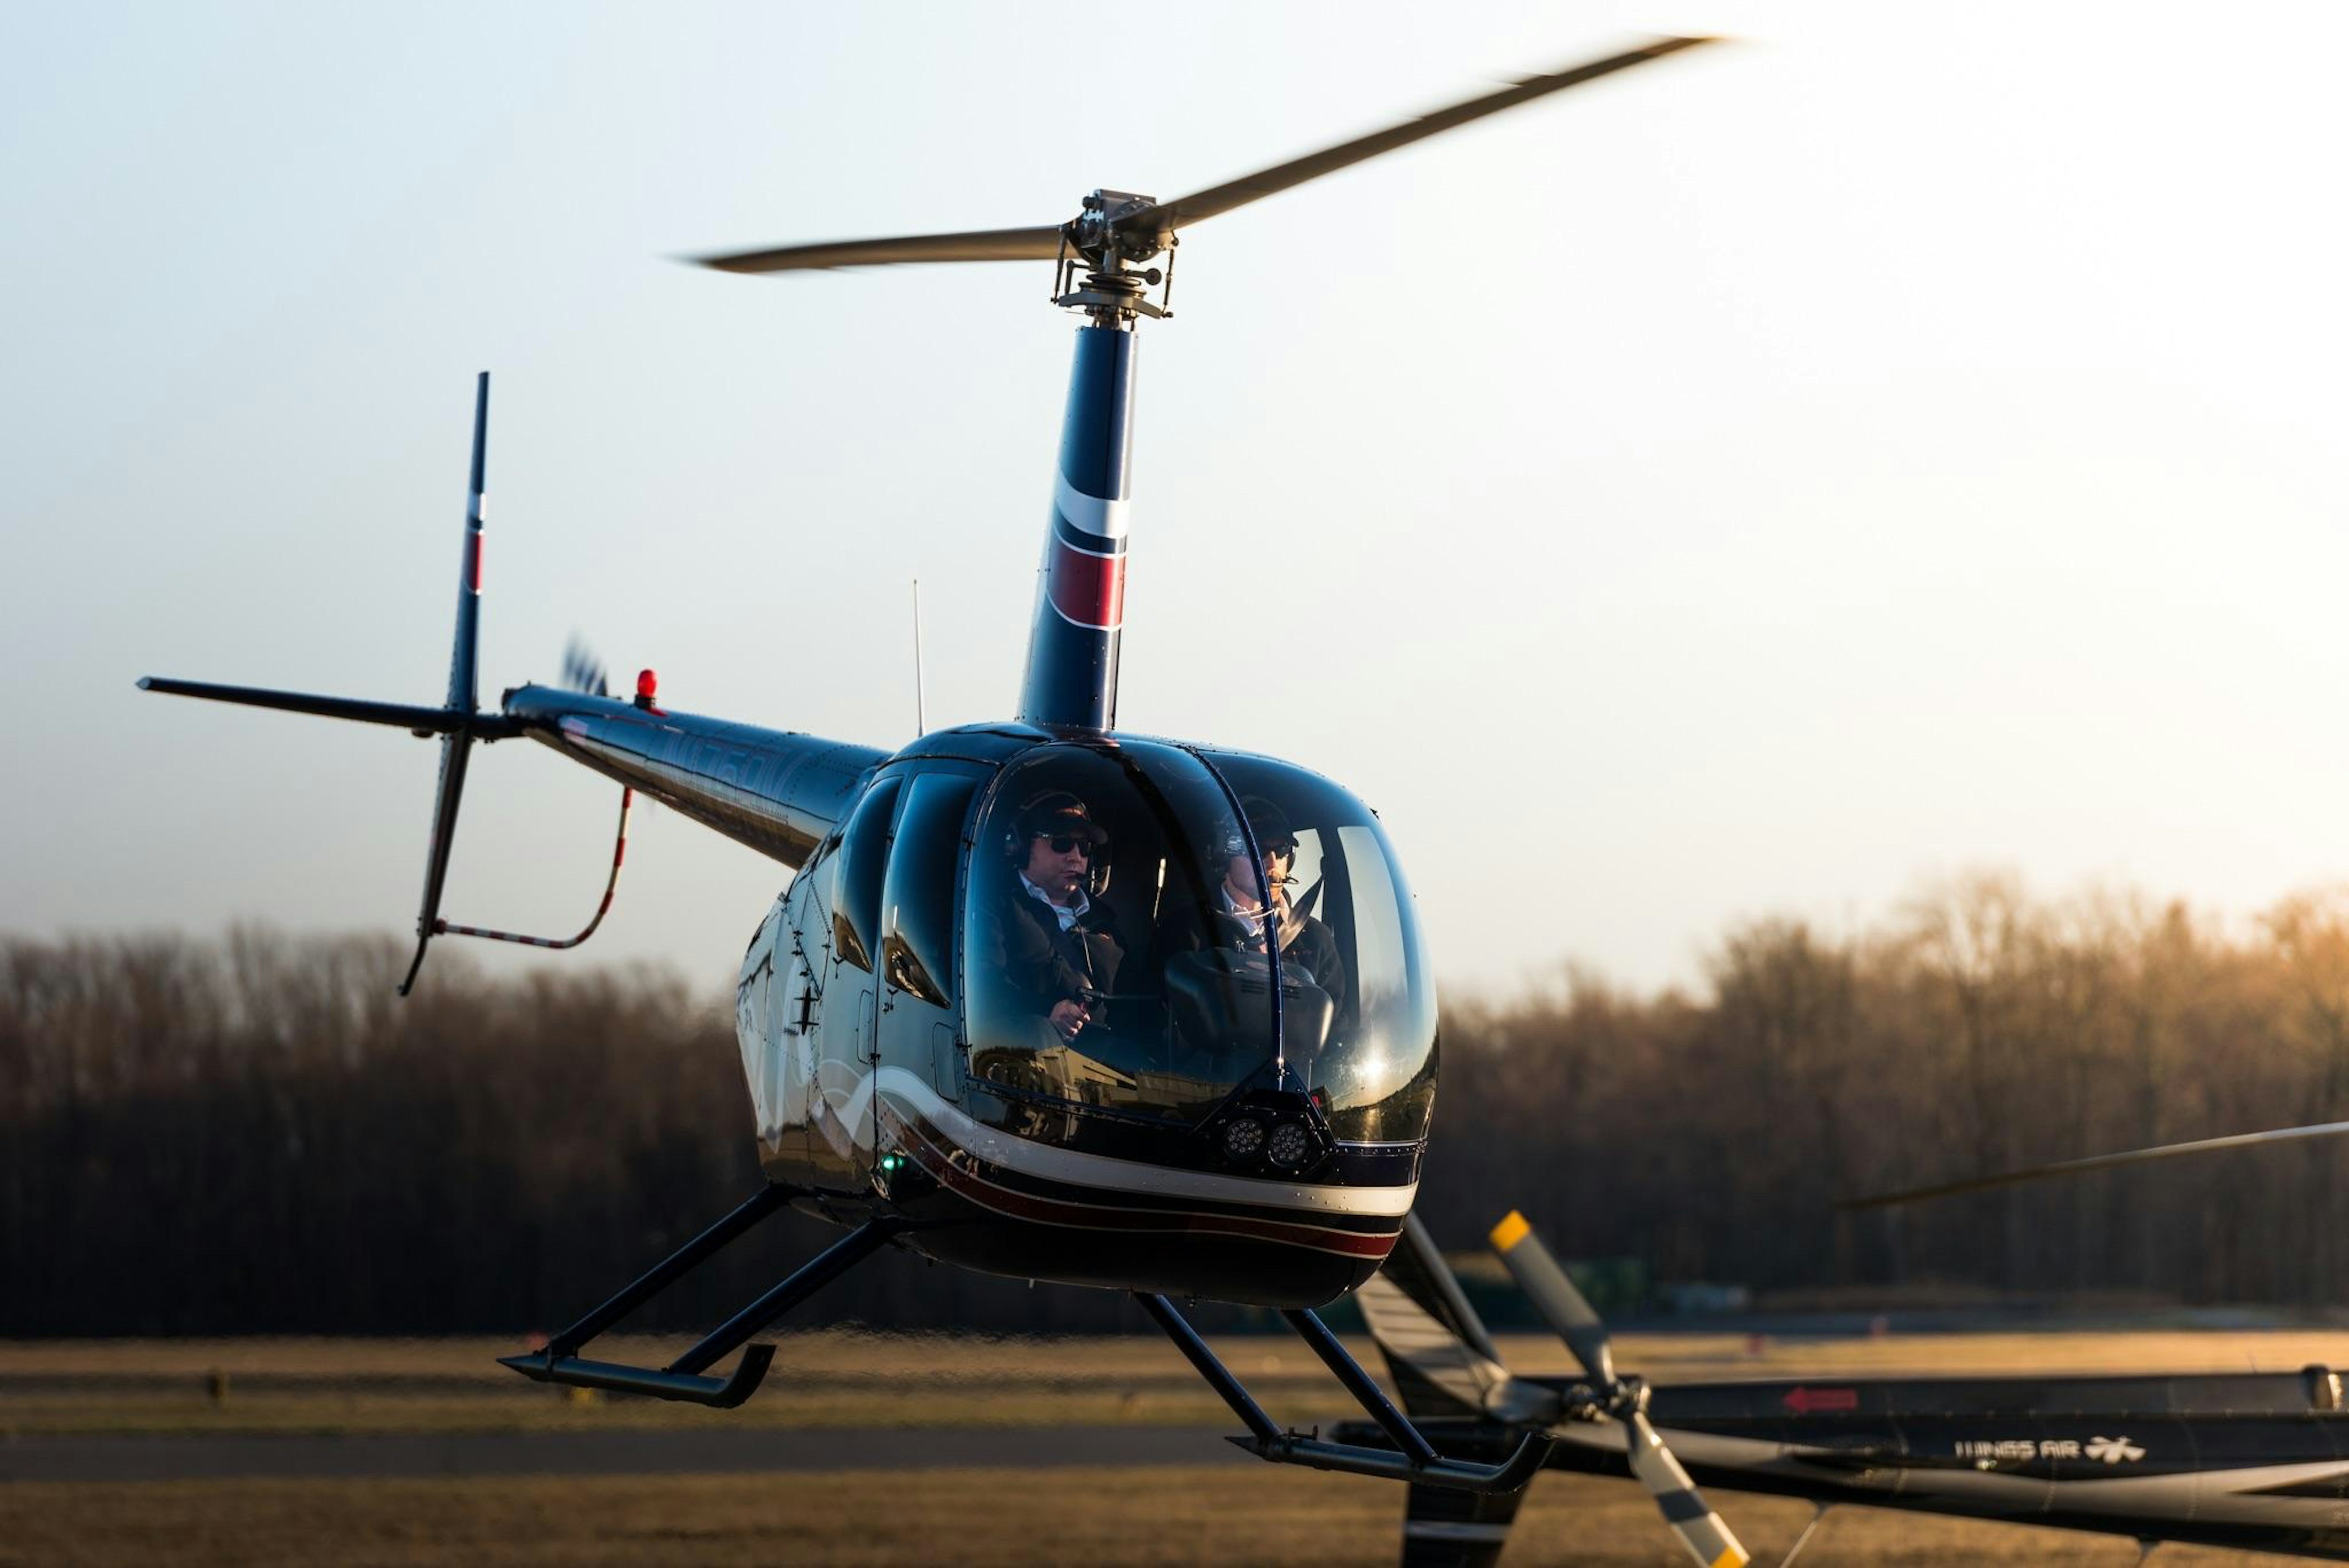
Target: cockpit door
{"points": [[844, 1117]]}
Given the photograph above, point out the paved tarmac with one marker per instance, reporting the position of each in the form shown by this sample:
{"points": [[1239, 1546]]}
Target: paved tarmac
{"points": [[607, 1453]]}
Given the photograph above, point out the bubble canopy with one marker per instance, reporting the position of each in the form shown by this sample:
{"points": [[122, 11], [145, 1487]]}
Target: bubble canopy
{"points": [[1124, 944]]}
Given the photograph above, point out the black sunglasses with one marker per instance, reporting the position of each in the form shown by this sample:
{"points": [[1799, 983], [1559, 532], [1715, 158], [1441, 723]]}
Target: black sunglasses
{"points": [[1061, 843]]}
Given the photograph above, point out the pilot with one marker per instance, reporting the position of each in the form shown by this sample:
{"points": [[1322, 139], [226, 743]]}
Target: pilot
{"points": [[1055, 947]]}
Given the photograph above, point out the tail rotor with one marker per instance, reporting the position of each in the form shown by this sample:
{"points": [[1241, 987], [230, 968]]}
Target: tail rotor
{"points": [[1707, 1538]]}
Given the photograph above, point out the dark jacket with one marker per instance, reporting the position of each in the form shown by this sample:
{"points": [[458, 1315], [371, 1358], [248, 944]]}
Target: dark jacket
{"points": [[1304, 942], [1314, 947], [1019, 942]]}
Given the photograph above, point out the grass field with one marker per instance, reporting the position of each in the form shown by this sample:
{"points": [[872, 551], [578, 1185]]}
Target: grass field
{"points": [[987, 1518], [1169, 1518]]}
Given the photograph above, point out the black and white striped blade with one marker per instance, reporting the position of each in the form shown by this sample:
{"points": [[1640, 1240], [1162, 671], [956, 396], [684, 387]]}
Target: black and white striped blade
{"points": [[1442, 1361], [1709, 1540], [979, 245], [1554, 1296]]}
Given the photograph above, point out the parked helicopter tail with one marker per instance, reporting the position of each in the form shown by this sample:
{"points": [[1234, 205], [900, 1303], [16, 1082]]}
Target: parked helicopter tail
{"points": [[1448, 1370]]}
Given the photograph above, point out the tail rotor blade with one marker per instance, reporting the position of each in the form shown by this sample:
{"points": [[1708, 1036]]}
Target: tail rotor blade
{"points": [[1554, 1296], [1708, 1538]]}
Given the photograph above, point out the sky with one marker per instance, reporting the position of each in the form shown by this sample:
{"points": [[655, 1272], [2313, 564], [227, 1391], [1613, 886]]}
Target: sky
{"points": [[1901, 442]]}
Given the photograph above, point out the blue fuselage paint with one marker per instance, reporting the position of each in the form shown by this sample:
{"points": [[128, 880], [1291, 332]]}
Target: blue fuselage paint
{"points": [[1071, 679]]}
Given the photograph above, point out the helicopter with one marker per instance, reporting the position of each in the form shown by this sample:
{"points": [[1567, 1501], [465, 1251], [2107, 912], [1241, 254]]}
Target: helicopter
{"points": [[2254, 1461], [1044, 998]]}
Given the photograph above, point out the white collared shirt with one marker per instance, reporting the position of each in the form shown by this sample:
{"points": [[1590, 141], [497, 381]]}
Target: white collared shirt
{"points": [[1068, 914]]}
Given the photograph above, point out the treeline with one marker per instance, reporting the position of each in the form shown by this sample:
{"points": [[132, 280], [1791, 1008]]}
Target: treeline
{"points": [[254, 1136], [1975, 1032]]}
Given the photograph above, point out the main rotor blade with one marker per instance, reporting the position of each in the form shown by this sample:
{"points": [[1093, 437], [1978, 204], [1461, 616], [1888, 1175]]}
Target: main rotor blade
{"points": [[1201, 205], [980, 246], [1706, 1535], [1554, 1296], [2096, 1162]]}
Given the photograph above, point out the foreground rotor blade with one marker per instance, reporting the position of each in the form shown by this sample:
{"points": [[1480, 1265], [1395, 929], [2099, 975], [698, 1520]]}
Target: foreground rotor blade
{"points": [[985, 244], [1201, 205], [1700, 1531], [1554, 1296], [2096, 1162], [1709, 1540]]}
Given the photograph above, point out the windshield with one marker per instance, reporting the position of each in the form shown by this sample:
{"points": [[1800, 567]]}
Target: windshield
{"points": [[1346, 919], [1105, 970], [1118, 961]]}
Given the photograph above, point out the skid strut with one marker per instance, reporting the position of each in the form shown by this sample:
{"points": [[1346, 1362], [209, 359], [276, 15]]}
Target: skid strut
{"points": [[1418, 1460], [682, 1379]]}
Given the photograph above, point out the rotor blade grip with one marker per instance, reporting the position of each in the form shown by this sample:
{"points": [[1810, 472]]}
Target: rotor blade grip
{"points": [[1553, 1295]]}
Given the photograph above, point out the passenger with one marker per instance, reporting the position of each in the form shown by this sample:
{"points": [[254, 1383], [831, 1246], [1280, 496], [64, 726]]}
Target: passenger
{"points": [[1304, 942], [1056, 950]]}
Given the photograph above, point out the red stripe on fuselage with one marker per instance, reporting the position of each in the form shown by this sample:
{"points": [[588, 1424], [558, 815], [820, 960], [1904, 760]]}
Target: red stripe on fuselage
{"points": [[1087, 588]]}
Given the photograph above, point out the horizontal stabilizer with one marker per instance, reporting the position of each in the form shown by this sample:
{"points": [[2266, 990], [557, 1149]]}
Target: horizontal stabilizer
{"points": [[399, 715]]}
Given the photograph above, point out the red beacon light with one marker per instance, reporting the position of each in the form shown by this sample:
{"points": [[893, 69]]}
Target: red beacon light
{"points": [[648, 687]]}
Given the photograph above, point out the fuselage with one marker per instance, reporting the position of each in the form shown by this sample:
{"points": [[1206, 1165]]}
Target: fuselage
{"points": [[902, 1062]]}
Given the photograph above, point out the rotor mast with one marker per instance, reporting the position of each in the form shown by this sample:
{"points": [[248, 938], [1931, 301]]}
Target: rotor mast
{"points": [[1078, 621]]}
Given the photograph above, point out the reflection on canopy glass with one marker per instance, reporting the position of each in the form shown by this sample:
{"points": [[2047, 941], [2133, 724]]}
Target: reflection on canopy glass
{"points": [[1123, 945]]}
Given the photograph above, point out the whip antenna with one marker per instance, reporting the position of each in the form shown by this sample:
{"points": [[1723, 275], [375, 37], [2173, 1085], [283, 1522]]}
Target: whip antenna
{"points": [[921, 725]]}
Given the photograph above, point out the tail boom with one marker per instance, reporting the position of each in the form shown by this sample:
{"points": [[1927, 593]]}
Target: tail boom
{"points": [[775, 791]]}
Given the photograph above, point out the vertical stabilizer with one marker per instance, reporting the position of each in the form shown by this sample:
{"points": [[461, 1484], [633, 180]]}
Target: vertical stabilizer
{"points": [[464, 694]]}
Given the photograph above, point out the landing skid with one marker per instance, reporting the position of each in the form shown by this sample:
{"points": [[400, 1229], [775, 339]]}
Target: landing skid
{"points": [[682, 1379], [1413, 1458]]}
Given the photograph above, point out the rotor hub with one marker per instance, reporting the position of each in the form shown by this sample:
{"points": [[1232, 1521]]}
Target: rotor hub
{"points": [[1112, 289]]}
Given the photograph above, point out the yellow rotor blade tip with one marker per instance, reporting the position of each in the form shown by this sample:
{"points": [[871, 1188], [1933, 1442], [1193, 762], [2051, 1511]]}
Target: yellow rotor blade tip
{"points": [[1511, 1232], [1732, 1558]]}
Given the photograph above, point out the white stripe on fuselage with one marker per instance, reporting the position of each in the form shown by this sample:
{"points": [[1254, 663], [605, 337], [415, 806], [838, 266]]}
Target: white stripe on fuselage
{"points": [[1096, 514], [2232, 1494], [1099, 1170]]}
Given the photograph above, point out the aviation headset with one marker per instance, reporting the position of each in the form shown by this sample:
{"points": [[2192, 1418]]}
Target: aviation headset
{"points": [[1027, 824]]}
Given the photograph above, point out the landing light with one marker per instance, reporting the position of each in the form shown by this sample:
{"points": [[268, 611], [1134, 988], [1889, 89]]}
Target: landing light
{"points": [[1291, 1145], [1243, 1137]]}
